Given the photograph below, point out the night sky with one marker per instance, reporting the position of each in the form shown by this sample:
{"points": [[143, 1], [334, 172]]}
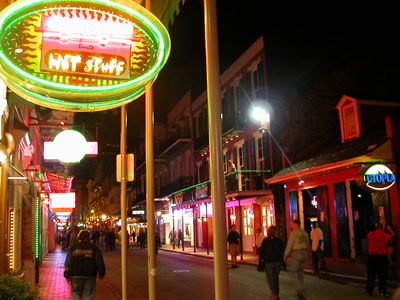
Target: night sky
{"points": [[298, 45]]}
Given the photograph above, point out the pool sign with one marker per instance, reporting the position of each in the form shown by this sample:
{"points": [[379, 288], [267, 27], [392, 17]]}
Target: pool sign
{"points": [[377, 177], [78, 55]]}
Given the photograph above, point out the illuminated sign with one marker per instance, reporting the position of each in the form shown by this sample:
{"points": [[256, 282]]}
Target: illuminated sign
{"points": [[69, 146], [62, 200], [376, 177], [80, 55]]}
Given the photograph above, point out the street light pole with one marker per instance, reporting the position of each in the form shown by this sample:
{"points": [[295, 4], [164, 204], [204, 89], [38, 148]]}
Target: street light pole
{"points": [[124, 246], [221, 278]]}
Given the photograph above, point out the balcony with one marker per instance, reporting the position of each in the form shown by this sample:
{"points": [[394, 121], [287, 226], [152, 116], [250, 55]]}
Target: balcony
{"points": [[176, 138], [246, 181], [241, 183]]}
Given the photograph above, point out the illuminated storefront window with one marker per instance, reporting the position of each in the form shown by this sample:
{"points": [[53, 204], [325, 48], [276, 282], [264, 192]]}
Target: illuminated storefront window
{"points": [[248, 221], [267, 217]]}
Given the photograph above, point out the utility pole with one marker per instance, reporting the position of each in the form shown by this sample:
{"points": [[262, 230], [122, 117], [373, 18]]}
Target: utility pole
{"points": [[221, 278]]}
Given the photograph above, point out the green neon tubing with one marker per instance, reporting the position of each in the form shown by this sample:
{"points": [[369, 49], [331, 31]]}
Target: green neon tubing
{"points": [[37, 224], [226, 175]]}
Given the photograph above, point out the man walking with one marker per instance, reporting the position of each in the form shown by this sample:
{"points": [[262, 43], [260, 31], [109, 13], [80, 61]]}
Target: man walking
{"points": [[377, 260], [84, 260], [271, 255], [234, 245], [317, 248], [297, 247]]}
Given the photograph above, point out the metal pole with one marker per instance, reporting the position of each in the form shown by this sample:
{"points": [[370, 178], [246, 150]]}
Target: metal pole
{"points": [[194, 234], [173, 230], [183, 230], [151, 254], [208, 247], [221, 278], [240, 230], [124, 246]]}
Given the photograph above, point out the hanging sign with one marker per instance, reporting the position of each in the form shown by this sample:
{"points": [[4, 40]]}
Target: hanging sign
{"points": [[80, 55], [376, 178]]}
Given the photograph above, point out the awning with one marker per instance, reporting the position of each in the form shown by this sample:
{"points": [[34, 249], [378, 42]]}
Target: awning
{"points": [[373, 147]]}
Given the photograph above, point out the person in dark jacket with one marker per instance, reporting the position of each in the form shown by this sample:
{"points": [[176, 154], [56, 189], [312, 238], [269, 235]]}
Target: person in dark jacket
{"points": [[84, 261], [271, 256]]}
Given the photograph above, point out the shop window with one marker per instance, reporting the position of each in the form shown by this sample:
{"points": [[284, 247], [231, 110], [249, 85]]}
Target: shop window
{"points": [[248, 221]]}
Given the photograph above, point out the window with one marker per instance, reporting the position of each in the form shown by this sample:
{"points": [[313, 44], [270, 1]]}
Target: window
{"points": [[349, 118], [248, 221], [241, 160], [350, 121], [260, 148], [225, 163]]}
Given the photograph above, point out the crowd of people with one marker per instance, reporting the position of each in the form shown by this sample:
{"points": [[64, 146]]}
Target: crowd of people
{"points": [[274, 256], [106, 238]]}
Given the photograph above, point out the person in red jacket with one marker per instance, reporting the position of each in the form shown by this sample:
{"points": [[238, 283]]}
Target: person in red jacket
{"points": [[377, 261]]}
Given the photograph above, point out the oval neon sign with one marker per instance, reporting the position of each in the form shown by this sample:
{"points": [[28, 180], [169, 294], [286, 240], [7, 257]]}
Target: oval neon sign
{"points": [[80, 55], [377, 177]]}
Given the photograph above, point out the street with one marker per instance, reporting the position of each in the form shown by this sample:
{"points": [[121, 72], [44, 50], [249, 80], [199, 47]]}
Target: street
{"points": [[188, 277]]}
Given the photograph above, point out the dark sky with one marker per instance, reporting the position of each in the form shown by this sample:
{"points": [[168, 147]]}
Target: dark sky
{"points": [[297, 44]]}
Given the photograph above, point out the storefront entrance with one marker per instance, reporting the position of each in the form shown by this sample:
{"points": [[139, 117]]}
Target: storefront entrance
{"points": [[363, 218]]}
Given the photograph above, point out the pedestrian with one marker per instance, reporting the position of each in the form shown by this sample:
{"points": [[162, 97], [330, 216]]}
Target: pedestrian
{"points": [[317, 248], [180, 238], [234, 245], [84, 261], [74, 237], [297, 247], [271, 256], [388, 228], [141, 239], [133, 237], [377, 261], [259, 239], [172, 234]]}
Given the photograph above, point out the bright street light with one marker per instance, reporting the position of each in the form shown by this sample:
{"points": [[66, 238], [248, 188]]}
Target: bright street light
{"points": [[263, 116]]}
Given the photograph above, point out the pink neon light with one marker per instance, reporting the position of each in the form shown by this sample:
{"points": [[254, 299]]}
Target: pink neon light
{"points": [[62, 200]]}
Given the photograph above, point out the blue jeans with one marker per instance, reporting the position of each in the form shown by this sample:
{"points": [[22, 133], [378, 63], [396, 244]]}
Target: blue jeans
{"points": [[272, 271], [297, 264], [82, 287]]}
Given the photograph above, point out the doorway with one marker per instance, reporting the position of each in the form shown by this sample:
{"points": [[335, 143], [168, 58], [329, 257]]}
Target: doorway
{"points": [[363, 217]]}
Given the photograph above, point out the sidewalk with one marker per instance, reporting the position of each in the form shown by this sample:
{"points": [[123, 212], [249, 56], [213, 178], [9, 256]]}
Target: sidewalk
{"points": [[52, 284], [340, 271]]}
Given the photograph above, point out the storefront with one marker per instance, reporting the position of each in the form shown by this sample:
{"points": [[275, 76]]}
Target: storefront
{"points": [[336, 190], [195, 219]]}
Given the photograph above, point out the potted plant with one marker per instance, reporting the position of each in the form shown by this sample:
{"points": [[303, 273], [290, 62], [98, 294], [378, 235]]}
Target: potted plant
{"points": [[13, 287]]}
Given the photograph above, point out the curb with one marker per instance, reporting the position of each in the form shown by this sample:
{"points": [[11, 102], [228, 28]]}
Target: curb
{"points": [[341, 278]]}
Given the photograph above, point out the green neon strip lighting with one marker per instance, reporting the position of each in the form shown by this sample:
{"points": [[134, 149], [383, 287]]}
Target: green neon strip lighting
{"points": [[37, 223], [235, 172], [101, 105], [160, 33]]}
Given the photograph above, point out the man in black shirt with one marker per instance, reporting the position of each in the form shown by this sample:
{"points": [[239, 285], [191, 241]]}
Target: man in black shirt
{"points": [[271, 256], [84, 260]]}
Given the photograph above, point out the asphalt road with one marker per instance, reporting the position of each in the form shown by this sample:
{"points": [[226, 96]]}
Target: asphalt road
{"points": [[187, 277]]}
